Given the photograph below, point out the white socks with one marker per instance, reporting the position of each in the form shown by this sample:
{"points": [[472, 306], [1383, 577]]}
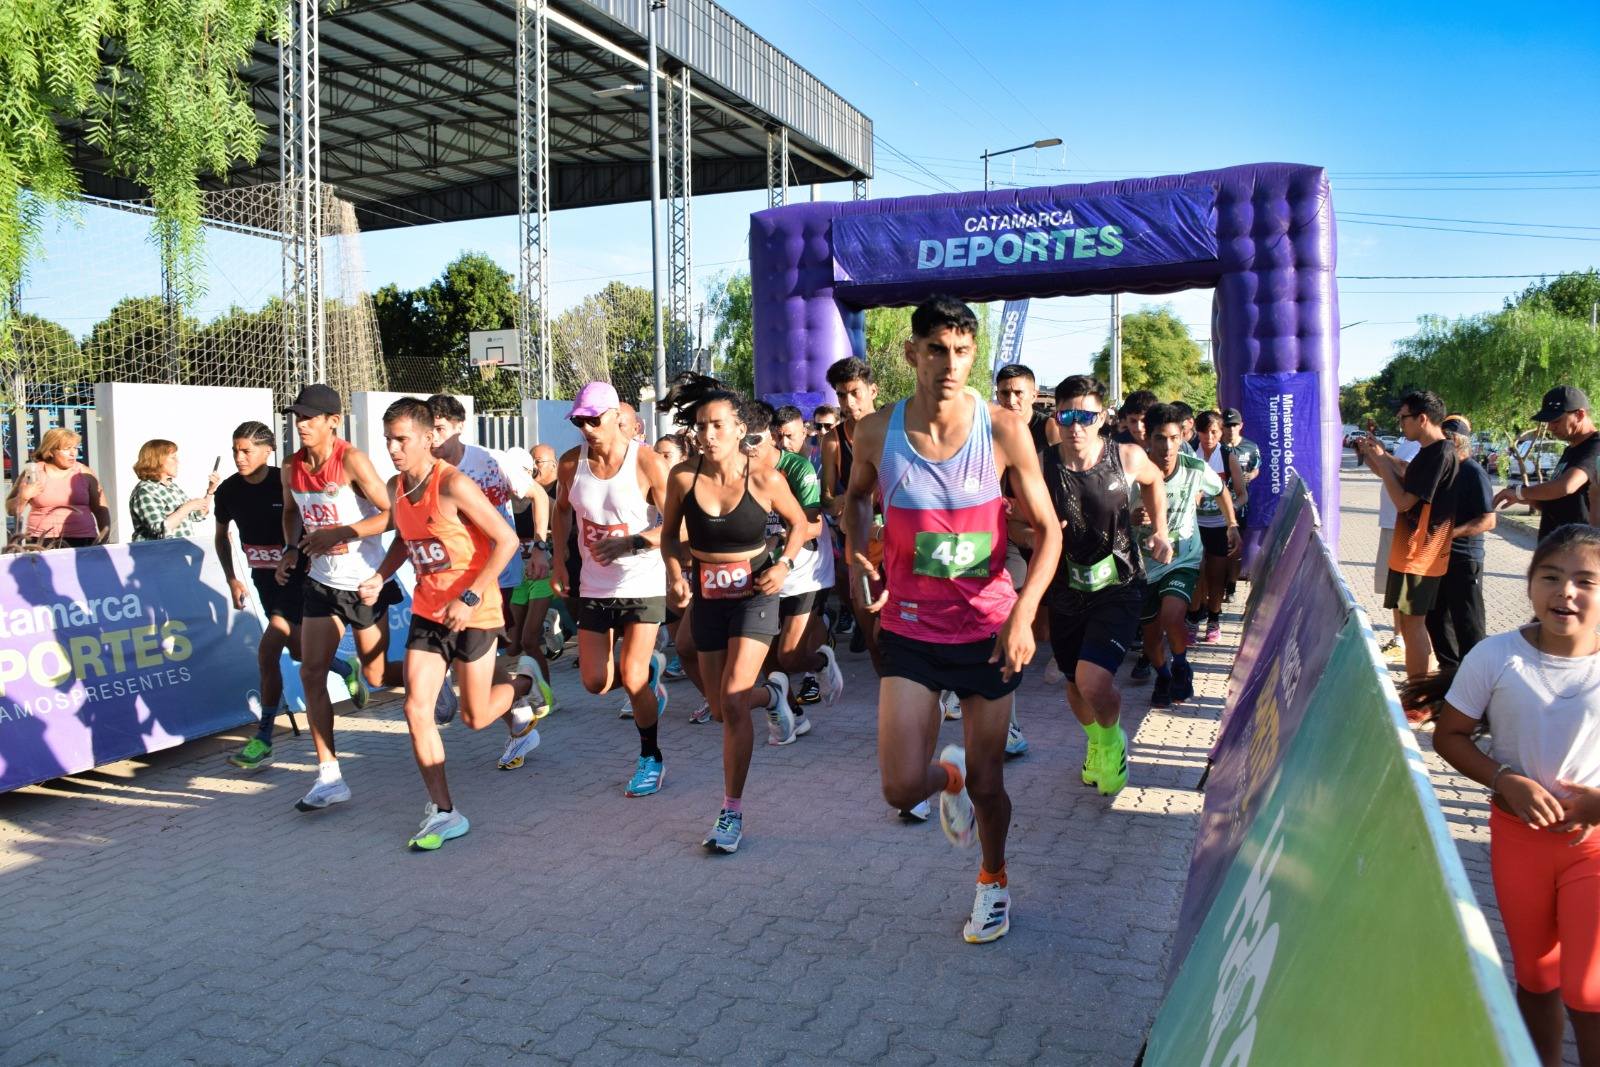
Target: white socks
{"points": [[328, 773]]}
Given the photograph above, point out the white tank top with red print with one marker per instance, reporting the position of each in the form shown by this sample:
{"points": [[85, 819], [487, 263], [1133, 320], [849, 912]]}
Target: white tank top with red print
{"points": [[614, 507], [326, 499]]}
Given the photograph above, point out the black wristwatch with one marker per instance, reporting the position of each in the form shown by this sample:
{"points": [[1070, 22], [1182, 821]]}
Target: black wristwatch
{"points": [[639, 544], [543, 546], [470, 599]]}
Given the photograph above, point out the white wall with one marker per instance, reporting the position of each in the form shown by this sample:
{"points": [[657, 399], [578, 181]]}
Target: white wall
{"points": [[199, 419], [366, 426]]}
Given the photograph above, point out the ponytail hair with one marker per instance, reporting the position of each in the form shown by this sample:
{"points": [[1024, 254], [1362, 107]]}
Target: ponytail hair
{"points": [[257, 433], [690, 392]]}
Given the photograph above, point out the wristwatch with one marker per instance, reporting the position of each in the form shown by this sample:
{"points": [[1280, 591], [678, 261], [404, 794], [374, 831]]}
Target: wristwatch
{"points": [[787, 562], [543, 546], [470, 599], [638, 543]]}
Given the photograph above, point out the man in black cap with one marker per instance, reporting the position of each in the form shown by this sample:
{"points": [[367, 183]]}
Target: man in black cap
{"points": [[1249, 454], [1565, 497]]}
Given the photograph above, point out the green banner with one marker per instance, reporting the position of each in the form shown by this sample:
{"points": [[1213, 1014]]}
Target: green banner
{"points": [[1346, 930]]}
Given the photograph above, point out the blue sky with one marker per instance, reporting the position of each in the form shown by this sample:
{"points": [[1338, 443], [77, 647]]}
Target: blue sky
{"points": [[1424, 113]]}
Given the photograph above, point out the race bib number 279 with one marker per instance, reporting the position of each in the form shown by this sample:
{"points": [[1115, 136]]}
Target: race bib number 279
{"points": [[952, 555]]}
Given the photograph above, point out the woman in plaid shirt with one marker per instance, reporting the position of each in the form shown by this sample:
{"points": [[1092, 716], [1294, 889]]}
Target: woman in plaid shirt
{"points": [[157, 504]]}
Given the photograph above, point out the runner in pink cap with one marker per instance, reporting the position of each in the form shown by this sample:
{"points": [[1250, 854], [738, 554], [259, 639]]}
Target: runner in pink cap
{"points": [[595, 399]]}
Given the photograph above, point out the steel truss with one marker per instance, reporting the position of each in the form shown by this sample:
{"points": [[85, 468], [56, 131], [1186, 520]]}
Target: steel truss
{"points": [[778, 167], [299, 120], [680, 235], [533, 199], [861, 189]]}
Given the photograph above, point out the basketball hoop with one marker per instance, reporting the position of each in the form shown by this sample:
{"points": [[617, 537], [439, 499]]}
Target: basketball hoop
{"points": [[489, 350], [486, 370]]}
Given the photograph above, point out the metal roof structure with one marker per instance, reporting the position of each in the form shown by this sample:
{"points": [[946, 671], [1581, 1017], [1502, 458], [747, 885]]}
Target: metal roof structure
{"points": [[419, 108]]}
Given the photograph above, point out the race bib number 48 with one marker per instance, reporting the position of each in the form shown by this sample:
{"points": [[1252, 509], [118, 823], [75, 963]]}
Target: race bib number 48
{"points": [[428, 556], [952, 555], [725, 581]]}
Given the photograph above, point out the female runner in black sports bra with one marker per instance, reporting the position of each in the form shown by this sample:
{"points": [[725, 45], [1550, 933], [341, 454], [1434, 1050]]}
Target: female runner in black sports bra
{"points": [[732, 577]]}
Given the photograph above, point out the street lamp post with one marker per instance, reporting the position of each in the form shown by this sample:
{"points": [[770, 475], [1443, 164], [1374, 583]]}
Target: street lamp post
{"points": [[1048, 142]]}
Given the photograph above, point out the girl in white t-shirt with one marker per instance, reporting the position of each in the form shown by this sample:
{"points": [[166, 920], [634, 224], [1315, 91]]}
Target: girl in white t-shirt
{"points": [[1537, 689]]}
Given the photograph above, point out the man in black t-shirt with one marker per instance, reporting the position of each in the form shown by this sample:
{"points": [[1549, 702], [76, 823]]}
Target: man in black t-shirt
{"points": [[1565, 497], [1455, 622]]}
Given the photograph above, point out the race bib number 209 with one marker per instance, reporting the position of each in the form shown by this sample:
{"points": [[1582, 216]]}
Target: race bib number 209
{"points": [[952, 555]]}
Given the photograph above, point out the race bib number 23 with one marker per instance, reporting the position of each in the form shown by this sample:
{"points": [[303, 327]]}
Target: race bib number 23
{"points": [[952, 555]]}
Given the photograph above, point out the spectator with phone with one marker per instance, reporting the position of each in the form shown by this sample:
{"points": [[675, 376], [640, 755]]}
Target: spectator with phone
{"points": [[64, 500], [1404, 452], [157, 504]]}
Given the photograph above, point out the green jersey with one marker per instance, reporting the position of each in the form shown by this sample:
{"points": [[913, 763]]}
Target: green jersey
{"points": [[1192, 481], [803, 480]]}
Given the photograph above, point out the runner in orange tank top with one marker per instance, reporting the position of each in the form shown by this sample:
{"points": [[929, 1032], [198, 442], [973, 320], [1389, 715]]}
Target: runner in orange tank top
{"points": [[457, 544]]}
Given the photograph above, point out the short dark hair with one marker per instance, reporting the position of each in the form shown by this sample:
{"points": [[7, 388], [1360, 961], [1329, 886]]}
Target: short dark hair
{"points": [[1014, 370], [445, 406], [1184, 410], [943, 312], [786, 414], [1206, 419], [418, 411], [1159, 415], [1138, 402], [1424, 402], [849, 370], [823, 409], [758, 416], [257, 433], [1075, 385]]}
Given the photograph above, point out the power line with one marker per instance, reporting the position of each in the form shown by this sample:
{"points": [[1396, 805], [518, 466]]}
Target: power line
{"points": [[1475, 222], [1440, 277], [1457, 229]]}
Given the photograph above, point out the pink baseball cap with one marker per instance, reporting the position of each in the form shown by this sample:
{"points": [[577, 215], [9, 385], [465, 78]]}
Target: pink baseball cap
{"points": [[596, 398]]}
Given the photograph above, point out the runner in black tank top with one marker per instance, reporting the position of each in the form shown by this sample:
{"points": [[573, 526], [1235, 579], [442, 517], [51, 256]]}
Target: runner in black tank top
{"points": [[852, 384], [1099, 585]]}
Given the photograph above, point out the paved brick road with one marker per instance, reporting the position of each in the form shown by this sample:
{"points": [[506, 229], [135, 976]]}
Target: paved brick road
{"points": [[174, 910]]}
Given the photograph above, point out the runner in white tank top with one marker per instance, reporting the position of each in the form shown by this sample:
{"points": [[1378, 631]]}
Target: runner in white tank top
{"points": [[335, 507], [606, 487]]}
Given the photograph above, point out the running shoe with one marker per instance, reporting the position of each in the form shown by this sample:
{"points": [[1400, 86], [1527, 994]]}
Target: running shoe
{"points": [[727, 832], [809, 692], [802, 724], [658, 667], [1016, 744], [437, 828], [1091, 763], [858, 639], [1182, 681], [252, 755], [1114, 765], [1161, 695], [446, 704], [674, 669], [919, 813], [847, 625], [991, 915], [955, 809], [832, 677], [1227, 594], [780, 719], [324, 794], [701, 715], [547, 699], [354, 682], [1052, 672], [1193, 626], [518, 746], [647, 777], [626, 711], [950, 706], [1141, 669], [1213, 631]]}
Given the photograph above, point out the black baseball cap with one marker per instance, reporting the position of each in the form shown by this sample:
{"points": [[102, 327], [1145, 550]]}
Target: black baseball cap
{"points": [[1231, 417], [315, 400], [1559, 401]]}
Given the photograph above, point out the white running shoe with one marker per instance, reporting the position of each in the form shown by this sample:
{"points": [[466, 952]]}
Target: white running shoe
{"points": [[626, 711], [955, 809], [518, 746], [1052, 673], [950, 705], [802, 725], [324, 794], [701, 715], [991, 915], [437, 828], [832, 678], [780, 717], [919, 813]]}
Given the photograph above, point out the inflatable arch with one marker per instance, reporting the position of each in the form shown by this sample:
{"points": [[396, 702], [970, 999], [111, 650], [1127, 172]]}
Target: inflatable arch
{"points": [[1261, 235]]}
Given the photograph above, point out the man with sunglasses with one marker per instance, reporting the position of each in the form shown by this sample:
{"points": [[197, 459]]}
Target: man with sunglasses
{"points": [[1098, 590], [607, 486]]}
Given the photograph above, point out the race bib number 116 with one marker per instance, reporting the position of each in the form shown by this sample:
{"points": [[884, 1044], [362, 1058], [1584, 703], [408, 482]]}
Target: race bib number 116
{"points": [[952, 555]]}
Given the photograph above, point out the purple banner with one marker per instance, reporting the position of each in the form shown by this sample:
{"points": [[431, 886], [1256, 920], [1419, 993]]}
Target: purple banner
{"points": [[111, 652], [1282, 415], [1013, 319], [1293, 634], [1031, 236]]}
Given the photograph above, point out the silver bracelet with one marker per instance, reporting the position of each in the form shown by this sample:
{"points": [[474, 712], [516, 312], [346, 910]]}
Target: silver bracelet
{"points": [[1494, 781]]}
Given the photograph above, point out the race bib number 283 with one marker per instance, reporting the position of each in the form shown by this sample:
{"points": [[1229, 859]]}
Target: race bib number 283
{"points": [[952, 555]]}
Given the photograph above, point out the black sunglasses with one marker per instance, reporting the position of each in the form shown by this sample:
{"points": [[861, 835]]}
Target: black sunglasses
{"points": [[590, 421]]}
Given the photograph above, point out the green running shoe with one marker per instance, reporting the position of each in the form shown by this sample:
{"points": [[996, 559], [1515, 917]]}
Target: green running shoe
{"points": [[1091, 763], [1113, 765], [252, 755], [354, 683]]}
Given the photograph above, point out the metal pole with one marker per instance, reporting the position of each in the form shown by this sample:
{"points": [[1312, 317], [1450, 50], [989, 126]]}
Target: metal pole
{"points": [[657, 267], [1115, 384], [986, 170]]}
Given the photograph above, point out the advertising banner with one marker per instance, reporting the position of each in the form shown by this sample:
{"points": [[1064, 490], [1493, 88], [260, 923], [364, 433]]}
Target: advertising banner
{"points": [[1031, 236], [1013, 318], [1345, 930], [1283, 414], [111, 652], [1295, 498]]}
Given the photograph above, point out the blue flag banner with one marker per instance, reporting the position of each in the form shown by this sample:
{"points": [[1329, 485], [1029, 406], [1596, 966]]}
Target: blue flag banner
{"points": [[1013, 319], [1045, 236]]}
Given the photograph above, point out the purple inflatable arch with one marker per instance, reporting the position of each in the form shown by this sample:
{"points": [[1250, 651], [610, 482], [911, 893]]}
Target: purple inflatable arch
{"points": [[1261, 235]]}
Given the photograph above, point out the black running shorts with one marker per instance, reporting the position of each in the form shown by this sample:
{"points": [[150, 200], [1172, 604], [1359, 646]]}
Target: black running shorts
{"points": [[287, 601], [463, 646], [322, 601], [715, 622], [799, 604], [1099, 629], [963, 669], [599, 614]]}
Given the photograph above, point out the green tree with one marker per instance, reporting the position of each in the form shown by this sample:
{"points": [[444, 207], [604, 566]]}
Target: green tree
{"points": [[1572, 295], [131, 344], [425, 333], [50, 362], [733, 340], [609, 336], [1159, 355]]}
